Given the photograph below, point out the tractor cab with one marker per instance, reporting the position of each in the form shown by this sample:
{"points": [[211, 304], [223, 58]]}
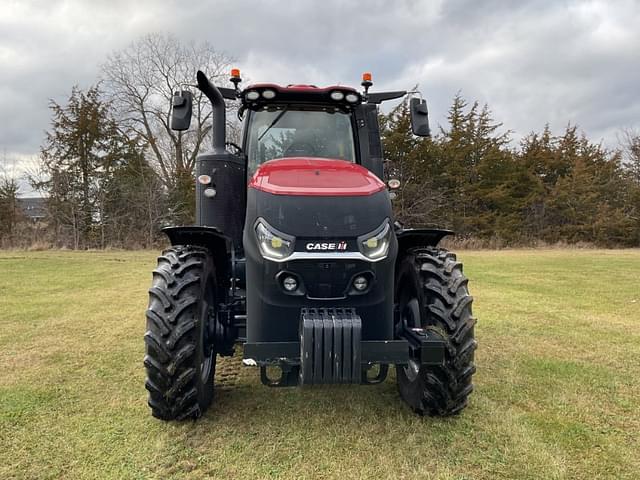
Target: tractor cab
{"points": [[287, 130], [305, 121]]}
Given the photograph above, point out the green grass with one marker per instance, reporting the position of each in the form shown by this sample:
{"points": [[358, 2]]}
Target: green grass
{"points": [[557, 389]]}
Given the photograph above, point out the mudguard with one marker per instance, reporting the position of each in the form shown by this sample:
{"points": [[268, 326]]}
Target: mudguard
{"points": [[211, 238], [419, 237], [195, 235]]}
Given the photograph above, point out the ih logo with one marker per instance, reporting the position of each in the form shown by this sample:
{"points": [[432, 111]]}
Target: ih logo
{"points": [[329, 246]]}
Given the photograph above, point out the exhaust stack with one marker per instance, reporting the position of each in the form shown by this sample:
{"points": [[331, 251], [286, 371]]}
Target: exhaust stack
{"points": [[219, 112]]}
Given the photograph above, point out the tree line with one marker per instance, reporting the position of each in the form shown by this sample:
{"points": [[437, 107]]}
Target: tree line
{"points": [[470, 178], [111, 169], [113, 172]]}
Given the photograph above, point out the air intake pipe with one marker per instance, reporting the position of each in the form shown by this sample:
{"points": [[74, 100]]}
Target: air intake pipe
{"points": [[219, 112]]}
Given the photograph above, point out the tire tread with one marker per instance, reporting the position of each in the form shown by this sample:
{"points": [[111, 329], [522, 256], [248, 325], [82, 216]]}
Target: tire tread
{"points": [[447, 310], [171, 334]]}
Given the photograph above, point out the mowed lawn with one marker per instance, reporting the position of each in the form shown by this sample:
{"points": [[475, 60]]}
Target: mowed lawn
{"points": [[557, 389]]}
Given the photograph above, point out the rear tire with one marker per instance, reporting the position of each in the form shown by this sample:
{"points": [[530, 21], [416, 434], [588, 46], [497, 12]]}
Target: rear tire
{"points": [[432, 294], [180, 356]]}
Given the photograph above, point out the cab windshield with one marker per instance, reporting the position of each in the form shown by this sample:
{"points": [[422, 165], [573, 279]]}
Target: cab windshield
{"points": [[287, 132]]}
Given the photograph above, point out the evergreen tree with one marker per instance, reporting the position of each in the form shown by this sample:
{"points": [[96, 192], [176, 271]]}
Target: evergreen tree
{"points": [[77, 158], [135, 203], [9, 213]]}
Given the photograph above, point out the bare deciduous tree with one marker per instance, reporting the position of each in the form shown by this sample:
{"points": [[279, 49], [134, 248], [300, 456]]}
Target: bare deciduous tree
{"points": [[142, 79]]}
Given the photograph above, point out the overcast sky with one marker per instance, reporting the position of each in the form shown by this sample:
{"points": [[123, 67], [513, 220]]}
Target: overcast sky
{"points": [[533, 62]]}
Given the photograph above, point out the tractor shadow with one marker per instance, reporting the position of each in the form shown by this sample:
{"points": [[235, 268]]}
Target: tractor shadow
{"points": [[239, 392]]}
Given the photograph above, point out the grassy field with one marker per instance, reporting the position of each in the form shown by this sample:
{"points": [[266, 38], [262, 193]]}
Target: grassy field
{"points": [[557, 390]]}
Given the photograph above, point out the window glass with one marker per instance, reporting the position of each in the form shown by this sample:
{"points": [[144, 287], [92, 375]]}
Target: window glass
{"points": [[299, 133]]}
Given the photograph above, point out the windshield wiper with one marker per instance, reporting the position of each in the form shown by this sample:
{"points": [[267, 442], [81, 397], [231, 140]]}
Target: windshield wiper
{"points": [[275, 120]]}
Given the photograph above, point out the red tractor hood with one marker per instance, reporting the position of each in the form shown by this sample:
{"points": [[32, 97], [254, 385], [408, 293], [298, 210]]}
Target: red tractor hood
{"points": [[309, 176]]}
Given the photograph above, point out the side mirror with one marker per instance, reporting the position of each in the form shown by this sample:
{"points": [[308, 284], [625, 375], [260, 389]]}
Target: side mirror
{"points": [[419, 117], [182, 106]]}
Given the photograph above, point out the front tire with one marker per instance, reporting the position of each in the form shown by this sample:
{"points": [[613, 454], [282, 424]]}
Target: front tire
{"points": [[432, 294], [180, 356]]}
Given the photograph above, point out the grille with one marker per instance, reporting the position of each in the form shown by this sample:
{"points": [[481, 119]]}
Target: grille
{"points": [[327, 279]]}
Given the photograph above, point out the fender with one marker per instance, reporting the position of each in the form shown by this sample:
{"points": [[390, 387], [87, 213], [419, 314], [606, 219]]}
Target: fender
{"points": [[419, 237], [211, 238]]}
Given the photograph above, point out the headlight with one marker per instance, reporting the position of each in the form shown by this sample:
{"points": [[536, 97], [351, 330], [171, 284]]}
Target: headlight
{"points": [[273, 245], [337, 95], [375, 245], [268, 94], [252, 95]]}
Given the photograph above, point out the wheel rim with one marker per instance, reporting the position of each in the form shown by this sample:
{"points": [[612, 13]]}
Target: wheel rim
{"points": [[410, 317]]}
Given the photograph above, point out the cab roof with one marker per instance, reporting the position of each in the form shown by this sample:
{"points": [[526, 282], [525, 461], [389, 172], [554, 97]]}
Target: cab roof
{"points": [[299, 88], [253, 95], [260, 94]]}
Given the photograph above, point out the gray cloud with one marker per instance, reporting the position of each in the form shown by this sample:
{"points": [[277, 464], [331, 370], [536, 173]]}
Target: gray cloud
{"points": [[533, 62]]}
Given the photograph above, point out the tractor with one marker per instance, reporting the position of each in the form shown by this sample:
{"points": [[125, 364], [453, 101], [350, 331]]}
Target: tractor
{"points": [[296, 256]]}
